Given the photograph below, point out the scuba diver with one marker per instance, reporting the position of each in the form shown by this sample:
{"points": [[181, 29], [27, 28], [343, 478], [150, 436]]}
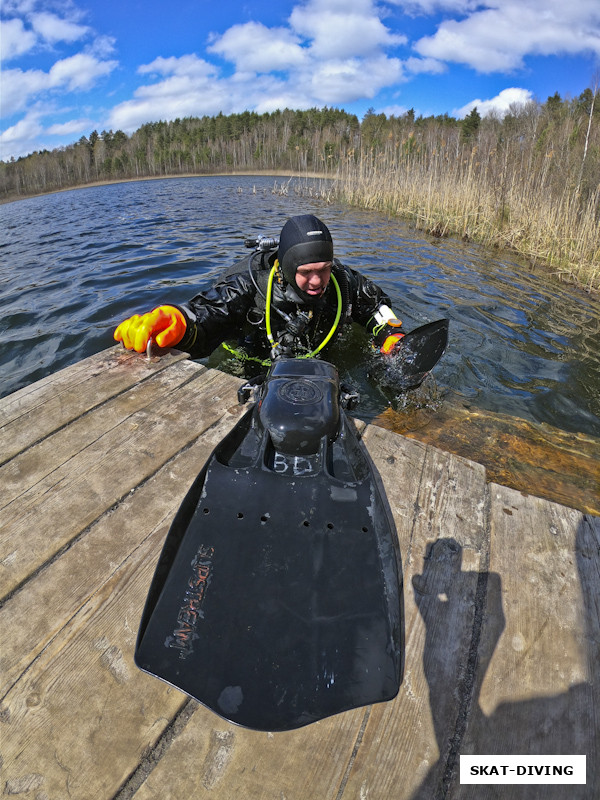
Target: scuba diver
{"points": [[290, 298]]}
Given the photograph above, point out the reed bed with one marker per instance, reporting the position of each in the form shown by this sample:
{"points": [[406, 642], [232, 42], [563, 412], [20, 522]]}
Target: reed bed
{"points": [[485, 200]]}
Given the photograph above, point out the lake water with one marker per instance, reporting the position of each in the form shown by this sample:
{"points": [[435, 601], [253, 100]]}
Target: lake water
{"points": [[74, 264]]}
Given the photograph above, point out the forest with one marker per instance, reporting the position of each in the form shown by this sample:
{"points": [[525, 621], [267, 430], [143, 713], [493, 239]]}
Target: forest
{"points": [[528, 181]]}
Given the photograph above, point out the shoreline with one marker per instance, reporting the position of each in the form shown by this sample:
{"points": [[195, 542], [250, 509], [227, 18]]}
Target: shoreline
{"points": [[242, 173], [565, 278]]}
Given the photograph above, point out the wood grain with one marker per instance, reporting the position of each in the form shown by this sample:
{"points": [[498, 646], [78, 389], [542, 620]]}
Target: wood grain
{"points": [[501, 611]]}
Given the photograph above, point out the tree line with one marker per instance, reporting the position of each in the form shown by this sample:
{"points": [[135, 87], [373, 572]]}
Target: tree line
{"points": [[297, 141], [317, 140]]}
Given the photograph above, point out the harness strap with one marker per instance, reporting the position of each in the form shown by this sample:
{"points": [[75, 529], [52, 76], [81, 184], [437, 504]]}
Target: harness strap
{"points": [[244, 356]]}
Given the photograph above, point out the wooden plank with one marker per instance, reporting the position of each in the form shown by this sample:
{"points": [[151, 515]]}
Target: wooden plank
{"points": [[29, 467], [47, 517], [79, 720], [538, 674], [32, 396], [73, 697], [212, 758], [36, 411], [69, 581], [439, 504]]}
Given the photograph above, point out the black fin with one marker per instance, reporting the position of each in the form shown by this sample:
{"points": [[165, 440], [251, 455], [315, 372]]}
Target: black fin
{"points": [[277, 598]]}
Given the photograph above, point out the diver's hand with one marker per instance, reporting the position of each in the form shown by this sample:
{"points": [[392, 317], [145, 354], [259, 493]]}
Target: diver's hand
{"points": [[166, 324], [388, 339]]}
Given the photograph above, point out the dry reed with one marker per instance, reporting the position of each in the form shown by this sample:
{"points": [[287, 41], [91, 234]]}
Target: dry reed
{"points": [[482, 199]]}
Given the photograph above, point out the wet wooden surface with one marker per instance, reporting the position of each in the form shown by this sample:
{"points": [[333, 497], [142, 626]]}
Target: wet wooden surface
{"points": [[501, 595], [561, 466]]}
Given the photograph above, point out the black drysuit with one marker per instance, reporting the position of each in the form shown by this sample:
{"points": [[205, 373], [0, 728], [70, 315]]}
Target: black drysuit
{"points": [[233, 310]]}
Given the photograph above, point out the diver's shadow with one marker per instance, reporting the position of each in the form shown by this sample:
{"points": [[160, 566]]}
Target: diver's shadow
{"points": [[451, 602]]}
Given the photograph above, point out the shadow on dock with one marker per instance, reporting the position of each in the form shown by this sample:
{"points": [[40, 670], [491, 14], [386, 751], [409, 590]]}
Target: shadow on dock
{"points": [[562, 724]]}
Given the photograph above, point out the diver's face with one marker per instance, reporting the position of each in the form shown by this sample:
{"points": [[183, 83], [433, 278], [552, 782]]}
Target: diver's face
{"points": [[313, 278]]}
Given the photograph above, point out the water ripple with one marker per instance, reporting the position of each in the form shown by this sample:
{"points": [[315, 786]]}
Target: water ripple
{"points": [[76, 263]]}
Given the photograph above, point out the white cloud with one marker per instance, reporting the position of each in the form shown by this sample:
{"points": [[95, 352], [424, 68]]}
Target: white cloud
{"points": [[17, 139], [72, 126], [26, 30], [196, 90], [18, 87], [172, 100], [101, 46], [498, 37], [320, 30], [341, 30], [15, 40], [430, 66], [344, 81], [500, 105], [76, 73], [189, 86], [17, 8], [432, 6], [394, 111], [54, 29], [190, 66], [30, 133], [285, 98], [79, 72], [253, 47]]}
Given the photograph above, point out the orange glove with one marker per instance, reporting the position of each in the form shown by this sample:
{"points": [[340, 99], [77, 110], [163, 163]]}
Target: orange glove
{"points": [[166, 324], [388, 338]]}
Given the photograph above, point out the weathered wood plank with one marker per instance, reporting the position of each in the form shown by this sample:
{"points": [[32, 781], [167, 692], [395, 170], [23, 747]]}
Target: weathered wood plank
{"points": [[533, 546], [36, 411], [439, 504], [77, 718], [538, 673], [32, 465], [212, 758], [56, 510], [32, 617], [32, 396], [81, 717]]}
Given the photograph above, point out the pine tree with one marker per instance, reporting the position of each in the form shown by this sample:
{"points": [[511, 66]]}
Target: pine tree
{"points": [[470, 125]]}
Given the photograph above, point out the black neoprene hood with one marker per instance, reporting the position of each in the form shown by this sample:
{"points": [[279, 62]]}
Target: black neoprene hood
{"points": [[303, 240]]}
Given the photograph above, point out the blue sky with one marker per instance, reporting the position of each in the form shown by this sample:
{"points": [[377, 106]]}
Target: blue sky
{"points": [[73, 66]]}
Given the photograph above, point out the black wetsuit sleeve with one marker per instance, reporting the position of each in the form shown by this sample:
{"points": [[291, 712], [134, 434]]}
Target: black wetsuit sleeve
{"points": [[366, 298], [216, 314]]}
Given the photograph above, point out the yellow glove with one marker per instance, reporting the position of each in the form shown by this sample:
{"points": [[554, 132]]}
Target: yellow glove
{"points": [[165, 324]]}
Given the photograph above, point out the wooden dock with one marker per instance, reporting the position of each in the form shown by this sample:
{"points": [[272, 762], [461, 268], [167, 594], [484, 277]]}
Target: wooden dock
{"points": [[502, 612]]}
